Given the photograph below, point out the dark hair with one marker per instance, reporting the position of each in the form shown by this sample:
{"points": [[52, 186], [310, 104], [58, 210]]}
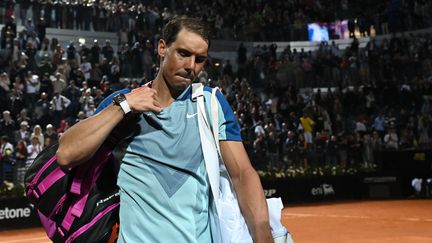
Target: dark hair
{"points": [[178, 22], [4, 138]]}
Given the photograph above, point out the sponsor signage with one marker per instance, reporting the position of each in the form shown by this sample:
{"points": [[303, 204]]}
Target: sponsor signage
{"points": [[17, 213], [295, 190], [270, 192], [323, 190]]}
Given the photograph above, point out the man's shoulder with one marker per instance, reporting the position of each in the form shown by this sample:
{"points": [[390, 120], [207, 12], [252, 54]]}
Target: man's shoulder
{"points": [[223, 102], [188, 92], [208, 90]]}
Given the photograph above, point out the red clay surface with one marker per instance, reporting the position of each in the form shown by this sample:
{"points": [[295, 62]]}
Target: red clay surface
{"points": [[407, 221], [404, 221]]}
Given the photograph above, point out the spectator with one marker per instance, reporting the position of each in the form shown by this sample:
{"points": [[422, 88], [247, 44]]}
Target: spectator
{"points": [[308, 126], [32, 90], [5, 145], [81, 116], [22, 133], [98, 97], [424, 129], [407, 140], [58, 84], [91, 110], [71, 52], [302, 147], [58, 9], [33, 150], [259, 146], [318, 153], [41, 27], [107, 51], [259, 130], [4, 88], [367, 151], [16, 98], [114, 75], [343, 150], [42, 110], [24, 116], [86, 99], [51, 133], [7, 163], [59, 104], [360, 126], [95, 52], [7, 124], [46, 86], [148, 61], [86, 67], [290, 148], [379, 124], [272, 149], [37, 132], [355, 145], [46, 66], [29, 27], [33, 42], [20, 153], [391, 140], [332, 148]]}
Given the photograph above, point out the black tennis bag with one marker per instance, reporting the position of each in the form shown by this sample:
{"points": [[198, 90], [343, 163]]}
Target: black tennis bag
{"points": [[79, 204]]}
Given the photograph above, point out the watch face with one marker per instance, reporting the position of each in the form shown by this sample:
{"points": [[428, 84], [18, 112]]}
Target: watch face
{"points": [[119, 98]]}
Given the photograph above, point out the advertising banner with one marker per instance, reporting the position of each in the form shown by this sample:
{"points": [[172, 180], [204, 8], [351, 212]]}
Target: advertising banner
{"points": [[17, 213]]}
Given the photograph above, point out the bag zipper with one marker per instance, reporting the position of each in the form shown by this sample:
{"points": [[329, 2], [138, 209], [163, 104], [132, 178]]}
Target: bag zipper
{"points": [[58, 206]]}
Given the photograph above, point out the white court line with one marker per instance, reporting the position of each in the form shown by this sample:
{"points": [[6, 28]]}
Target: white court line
{"points": [[351, 217], [417, 219], [28, 239], [326, 215]]}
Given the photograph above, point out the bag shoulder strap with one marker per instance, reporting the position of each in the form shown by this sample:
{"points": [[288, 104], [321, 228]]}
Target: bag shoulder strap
{"points": [[198, 91], [208, 145], [223, 172], [209, 135], [215, 118]]}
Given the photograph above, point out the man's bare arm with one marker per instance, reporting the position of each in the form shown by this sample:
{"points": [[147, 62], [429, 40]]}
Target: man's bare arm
{"points": [[249, 190], [82, 140]]}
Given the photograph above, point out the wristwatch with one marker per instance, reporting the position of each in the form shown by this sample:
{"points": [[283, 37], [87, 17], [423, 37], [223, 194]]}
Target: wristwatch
{"points": [[121, 101]]}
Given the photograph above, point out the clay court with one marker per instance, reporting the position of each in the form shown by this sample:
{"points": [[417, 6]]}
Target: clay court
{"points": [[404, 221]]}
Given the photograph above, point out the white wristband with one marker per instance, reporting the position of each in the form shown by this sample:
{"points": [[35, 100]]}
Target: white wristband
{"points": [[125, 107]]}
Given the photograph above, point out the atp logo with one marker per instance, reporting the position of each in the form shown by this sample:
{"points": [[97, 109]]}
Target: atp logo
{"points": [[269, 192]]}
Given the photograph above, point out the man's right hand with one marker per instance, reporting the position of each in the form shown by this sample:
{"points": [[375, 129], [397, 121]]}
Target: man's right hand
{"points": [[143, 99]]}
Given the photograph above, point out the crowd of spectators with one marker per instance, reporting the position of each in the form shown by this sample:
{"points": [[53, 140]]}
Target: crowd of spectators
{"points": [[365, 99], [233, 20]]}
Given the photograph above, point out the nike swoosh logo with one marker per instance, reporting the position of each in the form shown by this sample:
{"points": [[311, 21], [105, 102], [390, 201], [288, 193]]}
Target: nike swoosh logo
{"points": [[190, 115]]}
